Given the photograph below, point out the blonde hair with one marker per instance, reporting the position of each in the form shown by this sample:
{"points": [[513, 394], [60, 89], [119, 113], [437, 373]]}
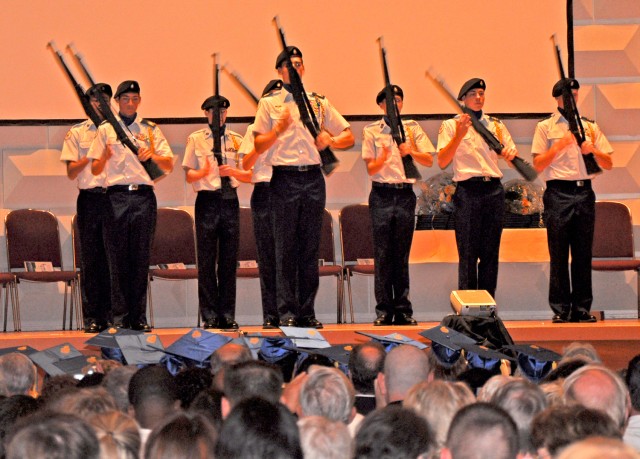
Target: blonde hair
{"points": [[118, 435]]}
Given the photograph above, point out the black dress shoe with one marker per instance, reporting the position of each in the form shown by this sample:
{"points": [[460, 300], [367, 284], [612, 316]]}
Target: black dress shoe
{"points": [[121, 325], [92, 328], [270, 323], [141, 326], [559, 319], [290, 322], [583, 317], [383, 319], [210, 323], [311, 322], [404, 319], [228, 324]]}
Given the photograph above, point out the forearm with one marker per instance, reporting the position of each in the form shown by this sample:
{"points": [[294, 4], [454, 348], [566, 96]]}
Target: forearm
{"points": [[265, 141], [75, 167], [164, 162], [242, 175], [604, 160], [445, 155], [425, 159], [249, 160], [193, 175], [343, 140], [97, 165], [374, 165]]}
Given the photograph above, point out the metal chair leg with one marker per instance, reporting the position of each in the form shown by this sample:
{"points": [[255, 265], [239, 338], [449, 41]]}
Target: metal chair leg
{"points": [[150, 302]]}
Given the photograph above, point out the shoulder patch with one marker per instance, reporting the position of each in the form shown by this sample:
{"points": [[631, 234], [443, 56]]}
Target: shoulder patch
{"points": [[271, 94], [148, 122], [495, 120], [315, 94]]}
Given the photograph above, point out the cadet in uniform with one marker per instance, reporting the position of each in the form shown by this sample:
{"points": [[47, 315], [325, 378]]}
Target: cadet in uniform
{"points": [[479, 196], [131, 213], [90, 208], [262, 219], [569, 206], [392, 204], [217, 215], [298, 191]]}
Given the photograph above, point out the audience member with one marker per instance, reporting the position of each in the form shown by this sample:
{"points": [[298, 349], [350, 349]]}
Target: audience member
{"points": [[404, 366], [393, 432], [491, 386], [599, 448], [190, 382], [251, 379], [12, 409], [116, 382], [84, 403], [523, 400], [17, 374], [54, 386], [322, 438], [118, 435], [632, 378], [225, 356], [580, 351], [366, 361], [209, 404], [481, 431], [597, 387], [437, 402], [259, 429], [53, 436], [184, 436], [559, 426]]}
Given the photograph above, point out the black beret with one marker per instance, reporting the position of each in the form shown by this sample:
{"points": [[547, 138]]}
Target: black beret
{"points": [[273, 84], [292, 51], [473, 83], [559, 86], [396, 90], [127, 86], [99, 88], [213, 101]]}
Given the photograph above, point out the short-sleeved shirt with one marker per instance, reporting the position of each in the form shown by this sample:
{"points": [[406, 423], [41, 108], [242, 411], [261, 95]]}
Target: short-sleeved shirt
{"points": [[262, 170], [377, 136], [568, 164], [124, 168], [76, 146], [474, 158], [295, 146], [200, 149]]}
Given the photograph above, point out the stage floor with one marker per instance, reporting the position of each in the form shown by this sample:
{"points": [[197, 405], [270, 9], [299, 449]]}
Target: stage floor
{"points": [[617, 341]]}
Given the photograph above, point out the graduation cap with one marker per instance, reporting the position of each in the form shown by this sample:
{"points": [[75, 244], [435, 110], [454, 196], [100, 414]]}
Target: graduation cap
{"points": [[141, 349], [193, 349], [394, 339], [24, 349], [309, 338], [535, 362], [336, 356], [76, 366], [446, 343], [48, 358], [106, 341], [484, 357], [253, 341]]}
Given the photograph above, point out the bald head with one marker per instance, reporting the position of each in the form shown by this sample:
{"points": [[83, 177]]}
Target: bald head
{"points": [[404, 367]]}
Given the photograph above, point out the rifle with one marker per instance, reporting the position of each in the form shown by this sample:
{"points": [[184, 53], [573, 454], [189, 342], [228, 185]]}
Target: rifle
{"points": [[84, 99], [154, 171], [524, 168], [572, 115], [78, 58], [307, 116], [397, 130], [215, 127], [236, 79]]}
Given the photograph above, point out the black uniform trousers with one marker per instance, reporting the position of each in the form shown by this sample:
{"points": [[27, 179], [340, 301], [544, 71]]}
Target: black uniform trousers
{"points": [[393, 221], [297, 199], [217, 235], [479, 215], [95, 285], [130, 224], [263, 231], [569, 214]]}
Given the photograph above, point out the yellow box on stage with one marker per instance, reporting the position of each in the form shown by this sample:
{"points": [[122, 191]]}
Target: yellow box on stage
{"points": [[476, 303]]}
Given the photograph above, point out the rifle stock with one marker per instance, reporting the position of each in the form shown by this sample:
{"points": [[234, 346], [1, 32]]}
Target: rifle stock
{"points": [[397, 130], [524, 168], [572, 115], [327, 157]]}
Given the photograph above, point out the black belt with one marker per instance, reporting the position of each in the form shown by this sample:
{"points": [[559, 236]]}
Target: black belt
{"points": [[481, 179], [96, 190], [396, 186], [262, 185], [569, 184], [132, 187], [301, 168]]}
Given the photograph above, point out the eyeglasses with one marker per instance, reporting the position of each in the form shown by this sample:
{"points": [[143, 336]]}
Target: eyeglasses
{"points": [[297, 64], [127, 99]]}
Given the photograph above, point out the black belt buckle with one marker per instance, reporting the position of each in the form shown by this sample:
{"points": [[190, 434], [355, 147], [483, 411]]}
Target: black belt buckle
{"points": [[397, 186]]}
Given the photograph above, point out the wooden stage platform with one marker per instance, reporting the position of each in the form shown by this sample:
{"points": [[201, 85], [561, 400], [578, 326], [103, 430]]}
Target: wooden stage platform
{"points": [[617, 341]]}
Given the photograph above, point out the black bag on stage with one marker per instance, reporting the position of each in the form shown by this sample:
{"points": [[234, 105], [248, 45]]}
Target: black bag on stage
{"points": [[487, 331]]}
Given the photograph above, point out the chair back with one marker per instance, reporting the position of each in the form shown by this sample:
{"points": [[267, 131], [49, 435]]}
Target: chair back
{"points": [[75, 240], [327, 247], [174, 238], [613, 236], [32, 235], [355, 233], [247, 249]]}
